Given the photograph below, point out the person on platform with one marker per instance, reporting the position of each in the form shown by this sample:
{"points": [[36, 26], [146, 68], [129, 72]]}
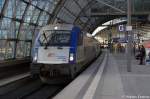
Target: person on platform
{"points": [[142, 54], [149, 55]]}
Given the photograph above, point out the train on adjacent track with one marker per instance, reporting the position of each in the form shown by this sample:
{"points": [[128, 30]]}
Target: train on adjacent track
{"points": [[61, 51]]}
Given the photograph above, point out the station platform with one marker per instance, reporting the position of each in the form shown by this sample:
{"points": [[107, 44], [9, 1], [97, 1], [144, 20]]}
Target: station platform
{"points": [[110, 80]]}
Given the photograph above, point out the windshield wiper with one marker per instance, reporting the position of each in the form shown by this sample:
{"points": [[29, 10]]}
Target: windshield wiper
{"points": [[46, 40]]}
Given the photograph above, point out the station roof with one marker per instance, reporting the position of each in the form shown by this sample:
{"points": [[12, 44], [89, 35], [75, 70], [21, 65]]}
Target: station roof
{"points": [[20, 20], [89, 14]]}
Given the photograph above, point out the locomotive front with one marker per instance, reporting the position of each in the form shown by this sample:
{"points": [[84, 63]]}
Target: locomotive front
{"points": [[54, 51]]}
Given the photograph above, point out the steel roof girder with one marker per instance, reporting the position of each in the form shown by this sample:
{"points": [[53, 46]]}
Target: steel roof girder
{"points": [[111, 6], [83, 9], [56, 11]]}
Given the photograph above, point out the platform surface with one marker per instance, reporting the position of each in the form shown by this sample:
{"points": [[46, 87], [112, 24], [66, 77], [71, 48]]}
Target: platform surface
{"points": [[116, 83], [137, 82], [110, 86]]}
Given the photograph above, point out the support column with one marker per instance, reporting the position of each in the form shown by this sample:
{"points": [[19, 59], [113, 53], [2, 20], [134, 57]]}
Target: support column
{"points": [[129, 44]]}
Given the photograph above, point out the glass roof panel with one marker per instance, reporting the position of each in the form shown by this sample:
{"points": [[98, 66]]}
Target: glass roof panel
{"points": [[73, 7], [20, 9], [35, 15], [43, 19], [41, 3], [1, 4], [83, 3], [9, 10], [29, 14], [34, 2]]}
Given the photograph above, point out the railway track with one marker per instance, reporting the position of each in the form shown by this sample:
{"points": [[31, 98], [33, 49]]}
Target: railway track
{"points": [[8, 71], [29, 89], [17, 84], [45, 92]]}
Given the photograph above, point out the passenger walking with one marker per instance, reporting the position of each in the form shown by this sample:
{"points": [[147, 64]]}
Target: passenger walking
{"points": [[142, 54]]}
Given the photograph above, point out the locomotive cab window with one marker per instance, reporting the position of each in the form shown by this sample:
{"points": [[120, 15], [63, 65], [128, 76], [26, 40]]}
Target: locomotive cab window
{"points": [[55, 38]]}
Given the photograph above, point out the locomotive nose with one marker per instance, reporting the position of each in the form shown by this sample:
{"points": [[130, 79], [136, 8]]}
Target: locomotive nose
{"points": [[47, 72]]}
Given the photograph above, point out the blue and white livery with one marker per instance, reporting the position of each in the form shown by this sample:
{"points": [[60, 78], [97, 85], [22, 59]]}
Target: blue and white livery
{"points": [[61, 51]]}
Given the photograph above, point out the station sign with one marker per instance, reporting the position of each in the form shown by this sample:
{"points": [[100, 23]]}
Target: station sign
{"points": [[119, 40], [121, 28], [122, 40], [128, 28]]}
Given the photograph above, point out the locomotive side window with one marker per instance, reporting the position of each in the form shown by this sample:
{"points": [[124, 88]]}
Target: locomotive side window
{"points": [[80, 38]]}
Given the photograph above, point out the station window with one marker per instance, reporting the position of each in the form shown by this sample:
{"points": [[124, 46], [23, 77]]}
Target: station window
{"points": [[6, 49], [21, 49], [28, 49], [2, 49], [9, 49], [16, 36]]}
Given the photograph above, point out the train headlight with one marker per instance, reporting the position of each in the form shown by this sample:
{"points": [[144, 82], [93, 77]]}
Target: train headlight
{"points": [[56, 28], [35, 58], [71, 58]]}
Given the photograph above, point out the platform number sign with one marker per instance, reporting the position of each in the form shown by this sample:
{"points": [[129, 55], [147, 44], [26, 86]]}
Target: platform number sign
{"points": [[121, 28]]}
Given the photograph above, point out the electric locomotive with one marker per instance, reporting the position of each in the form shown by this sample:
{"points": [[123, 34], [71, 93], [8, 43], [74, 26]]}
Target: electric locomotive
{"points": [[61, 51]]}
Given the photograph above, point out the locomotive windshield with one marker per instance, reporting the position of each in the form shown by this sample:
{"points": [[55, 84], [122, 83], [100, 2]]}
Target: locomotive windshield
{"points": [[55, 38]]}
